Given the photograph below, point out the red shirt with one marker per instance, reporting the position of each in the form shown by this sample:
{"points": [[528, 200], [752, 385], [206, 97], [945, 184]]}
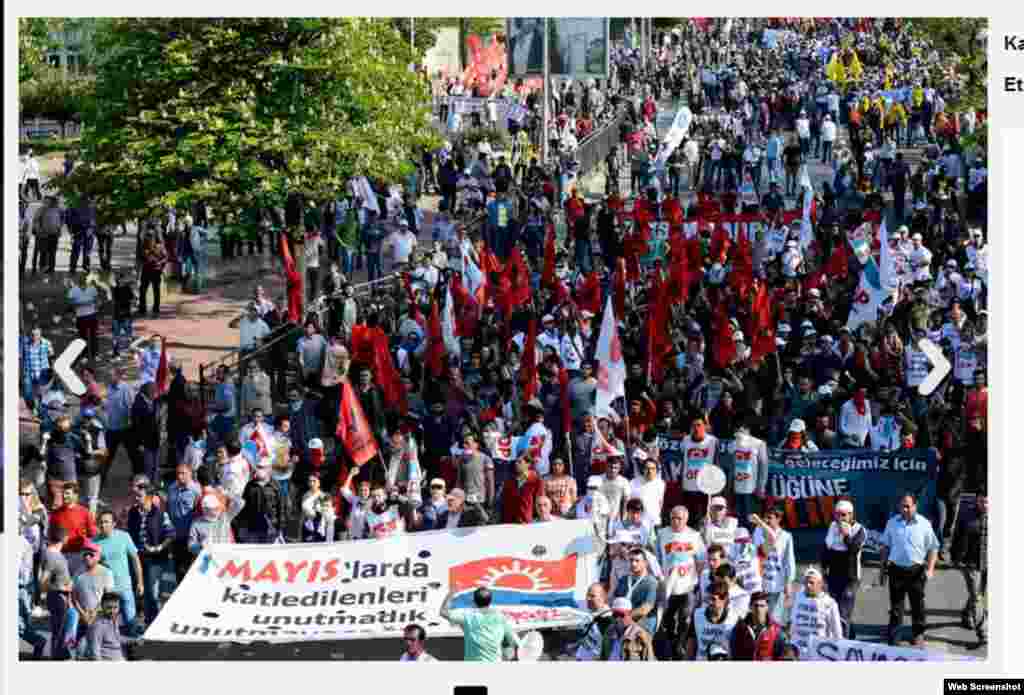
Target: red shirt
{"points": [[518, 501], [80, 525]]}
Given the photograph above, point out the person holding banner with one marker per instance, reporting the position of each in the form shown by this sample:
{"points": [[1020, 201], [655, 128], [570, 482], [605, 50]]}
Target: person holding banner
{"points": [[485, 629], [815, 613], [775, 545], [712, 625], [681, 553], [907, 557]]}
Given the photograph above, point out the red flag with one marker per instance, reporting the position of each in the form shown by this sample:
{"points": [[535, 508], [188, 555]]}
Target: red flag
{"points": [[547, 278], [528, 367], [724, 347], [387, 375], [362, 344], [742, 275], [515, 283], [720, 244], [619, 290], [163, 377], [761, 327], [353, 429], [467, 309], [589, 294], [261, 443], [678, 286], [658, 342], [293, 281], [435, 344], [673, 211], [837, 265]]}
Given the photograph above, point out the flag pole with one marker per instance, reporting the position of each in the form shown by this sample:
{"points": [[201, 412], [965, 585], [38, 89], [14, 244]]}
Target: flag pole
{"points": [[546, 95]]}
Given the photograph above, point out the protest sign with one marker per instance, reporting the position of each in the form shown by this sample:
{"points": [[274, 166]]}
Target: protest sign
{"points": [[538, 576], [823, 649]]}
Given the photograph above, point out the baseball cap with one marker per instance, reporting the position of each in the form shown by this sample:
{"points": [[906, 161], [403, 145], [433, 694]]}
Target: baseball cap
{"points": [[814, 292], [593, 482], [437, 482], [797, 425], [717, 652], [845, 506], [812, 572], [718, 502], [90, 547], [316, 443]]}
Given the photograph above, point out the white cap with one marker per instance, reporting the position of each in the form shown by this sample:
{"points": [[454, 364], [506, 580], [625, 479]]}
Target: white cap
{"points": [[797, 425], [790, 244], [587, 314], [903, 229], [316, 443], [814, 292], [783, 328], [718, 502], [917, 236], [812, 572], [640, 455], [437, 481], [622, 604], [593, 481], [845, 506], [548, 318], [951, 263]]}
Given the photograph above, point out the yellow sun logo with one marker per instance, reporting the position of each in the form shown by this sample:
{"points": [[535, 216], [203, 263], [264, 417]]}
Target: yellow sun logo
{"points": [[515, 577]]}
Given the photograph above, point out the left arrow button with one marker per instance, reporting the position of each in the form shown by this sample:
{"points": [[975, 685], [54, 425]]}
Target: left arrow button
{"points": [[62, 367]]}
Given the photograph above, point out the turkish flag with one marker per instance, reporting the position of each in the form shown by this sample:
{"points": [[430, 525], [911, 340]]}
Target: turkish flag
{"points": [[761, 327], [725, 348], [362, 344], [353, 429], [619, 290], [294, 282], [163, 377], [589, 294]]}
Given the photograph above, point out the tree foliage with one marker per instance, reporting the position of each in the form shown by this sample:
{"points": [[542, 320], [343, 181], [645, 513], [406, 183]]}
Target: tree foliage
{"points": [[52, 95], [240, 113], [962, 42], [427, 28], [33, 44]]}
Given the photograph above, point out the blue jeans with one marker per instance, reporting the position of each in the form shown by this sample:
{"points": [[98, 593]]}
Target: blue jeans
{"points": [[122, 330], [151, 464], [60, 608], [373, 271], [26, 630], [584, 260], [346, 261], [127, 618], [81, 244], [153, 571]]}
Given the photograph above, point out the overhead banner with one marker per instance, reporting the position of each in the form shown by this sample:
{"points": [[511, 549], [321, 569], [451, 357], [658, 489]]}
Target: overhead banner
{"points": [[808, 486], [853, 650], [538, 576]]}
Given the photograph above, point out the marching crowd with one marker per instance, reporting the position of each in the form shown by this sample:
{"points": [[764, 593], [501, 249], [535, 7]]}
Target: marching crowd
{"points": [[481, 383]]}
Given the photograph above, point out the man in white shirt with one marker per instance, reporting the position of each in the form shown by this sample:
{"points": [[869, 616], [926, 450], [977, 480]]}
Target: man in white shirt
{"points": [[31, 175], [681, 555], [803, 131], [855, 420], [415, 638], [920, 260], [650, 487], [83, 298], [251, 329], [402, 243], [815, 613], [828, 138]]}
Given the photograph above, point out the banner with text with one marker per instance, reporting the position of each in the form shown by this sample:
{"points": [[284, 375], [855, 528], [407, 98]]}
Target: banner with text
{"points": [[822, 649], [808, 485], [538, 576]]}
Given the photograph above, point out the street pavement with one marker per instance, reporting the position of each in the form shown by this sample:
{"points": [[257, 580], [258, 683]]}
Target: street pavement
{"points": [[198, 331]]}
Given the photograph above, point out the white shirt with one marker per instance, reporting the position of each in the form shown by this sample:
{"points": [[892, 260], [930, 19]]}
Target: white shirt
{"points": [[816, 616], [803, 127], [652, 492], [403, 243], [572, 351], [679, 553], [852, 423], [31, 168], [828, 131], [424, 657]]}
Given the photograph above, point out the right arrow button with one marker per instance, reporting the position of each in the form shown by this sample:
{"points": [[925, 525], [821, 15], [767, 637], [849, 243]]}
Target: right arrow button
{"points": [[940, 366]]}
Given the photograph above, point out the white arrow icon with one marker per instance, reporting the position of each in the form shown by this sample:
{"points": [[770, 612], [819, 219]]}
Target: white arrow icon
{"points": [[940, 366], [62, 367]]}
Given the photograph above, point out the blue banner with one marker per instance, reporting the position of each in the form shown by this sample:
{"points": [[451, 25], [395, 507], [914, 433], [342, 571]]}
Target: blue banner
{"points": [[808, 485]]}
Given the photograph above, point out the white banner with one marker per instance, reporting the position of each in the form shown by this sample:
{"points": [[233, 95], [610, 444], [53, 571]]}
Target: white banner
{"points": [[853, 650], [538, 576], [674, 137]]}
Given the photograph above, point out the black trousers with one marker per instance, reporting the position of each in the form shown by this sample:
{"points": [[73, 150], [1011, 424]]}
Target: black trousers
{"points": [[182, 558], [675, 623], [149, 279], [907, 583], [115, 440], [844, 591]]}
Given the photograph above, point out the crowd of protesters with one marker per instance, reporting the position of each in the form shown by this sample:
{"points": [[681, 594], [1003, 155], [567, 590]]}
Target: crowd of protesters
{"points": [[475, 365]]}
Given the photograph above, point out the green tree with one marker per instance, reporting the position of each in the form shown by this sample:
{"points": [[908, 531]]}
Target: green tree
{"points": [[240, 113], [33, 44], [52, 95], [962, 43]]}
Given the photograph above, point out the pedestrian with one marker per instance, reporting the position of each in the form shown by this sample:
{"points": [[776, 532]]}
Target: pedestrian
{"points": [[815, 614], [154, 259], [121, 557], [970, 554], [626, 640], [840, 562], [908, 556], [758, 637], [415, 639], [485, 630], [150, 528]]}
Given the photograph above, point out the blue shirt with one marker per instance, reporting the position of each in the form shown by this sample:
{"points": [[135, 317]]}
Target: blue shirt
{"points": [[116, 548], [119, 407], [909, 542], [181, 502]]}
